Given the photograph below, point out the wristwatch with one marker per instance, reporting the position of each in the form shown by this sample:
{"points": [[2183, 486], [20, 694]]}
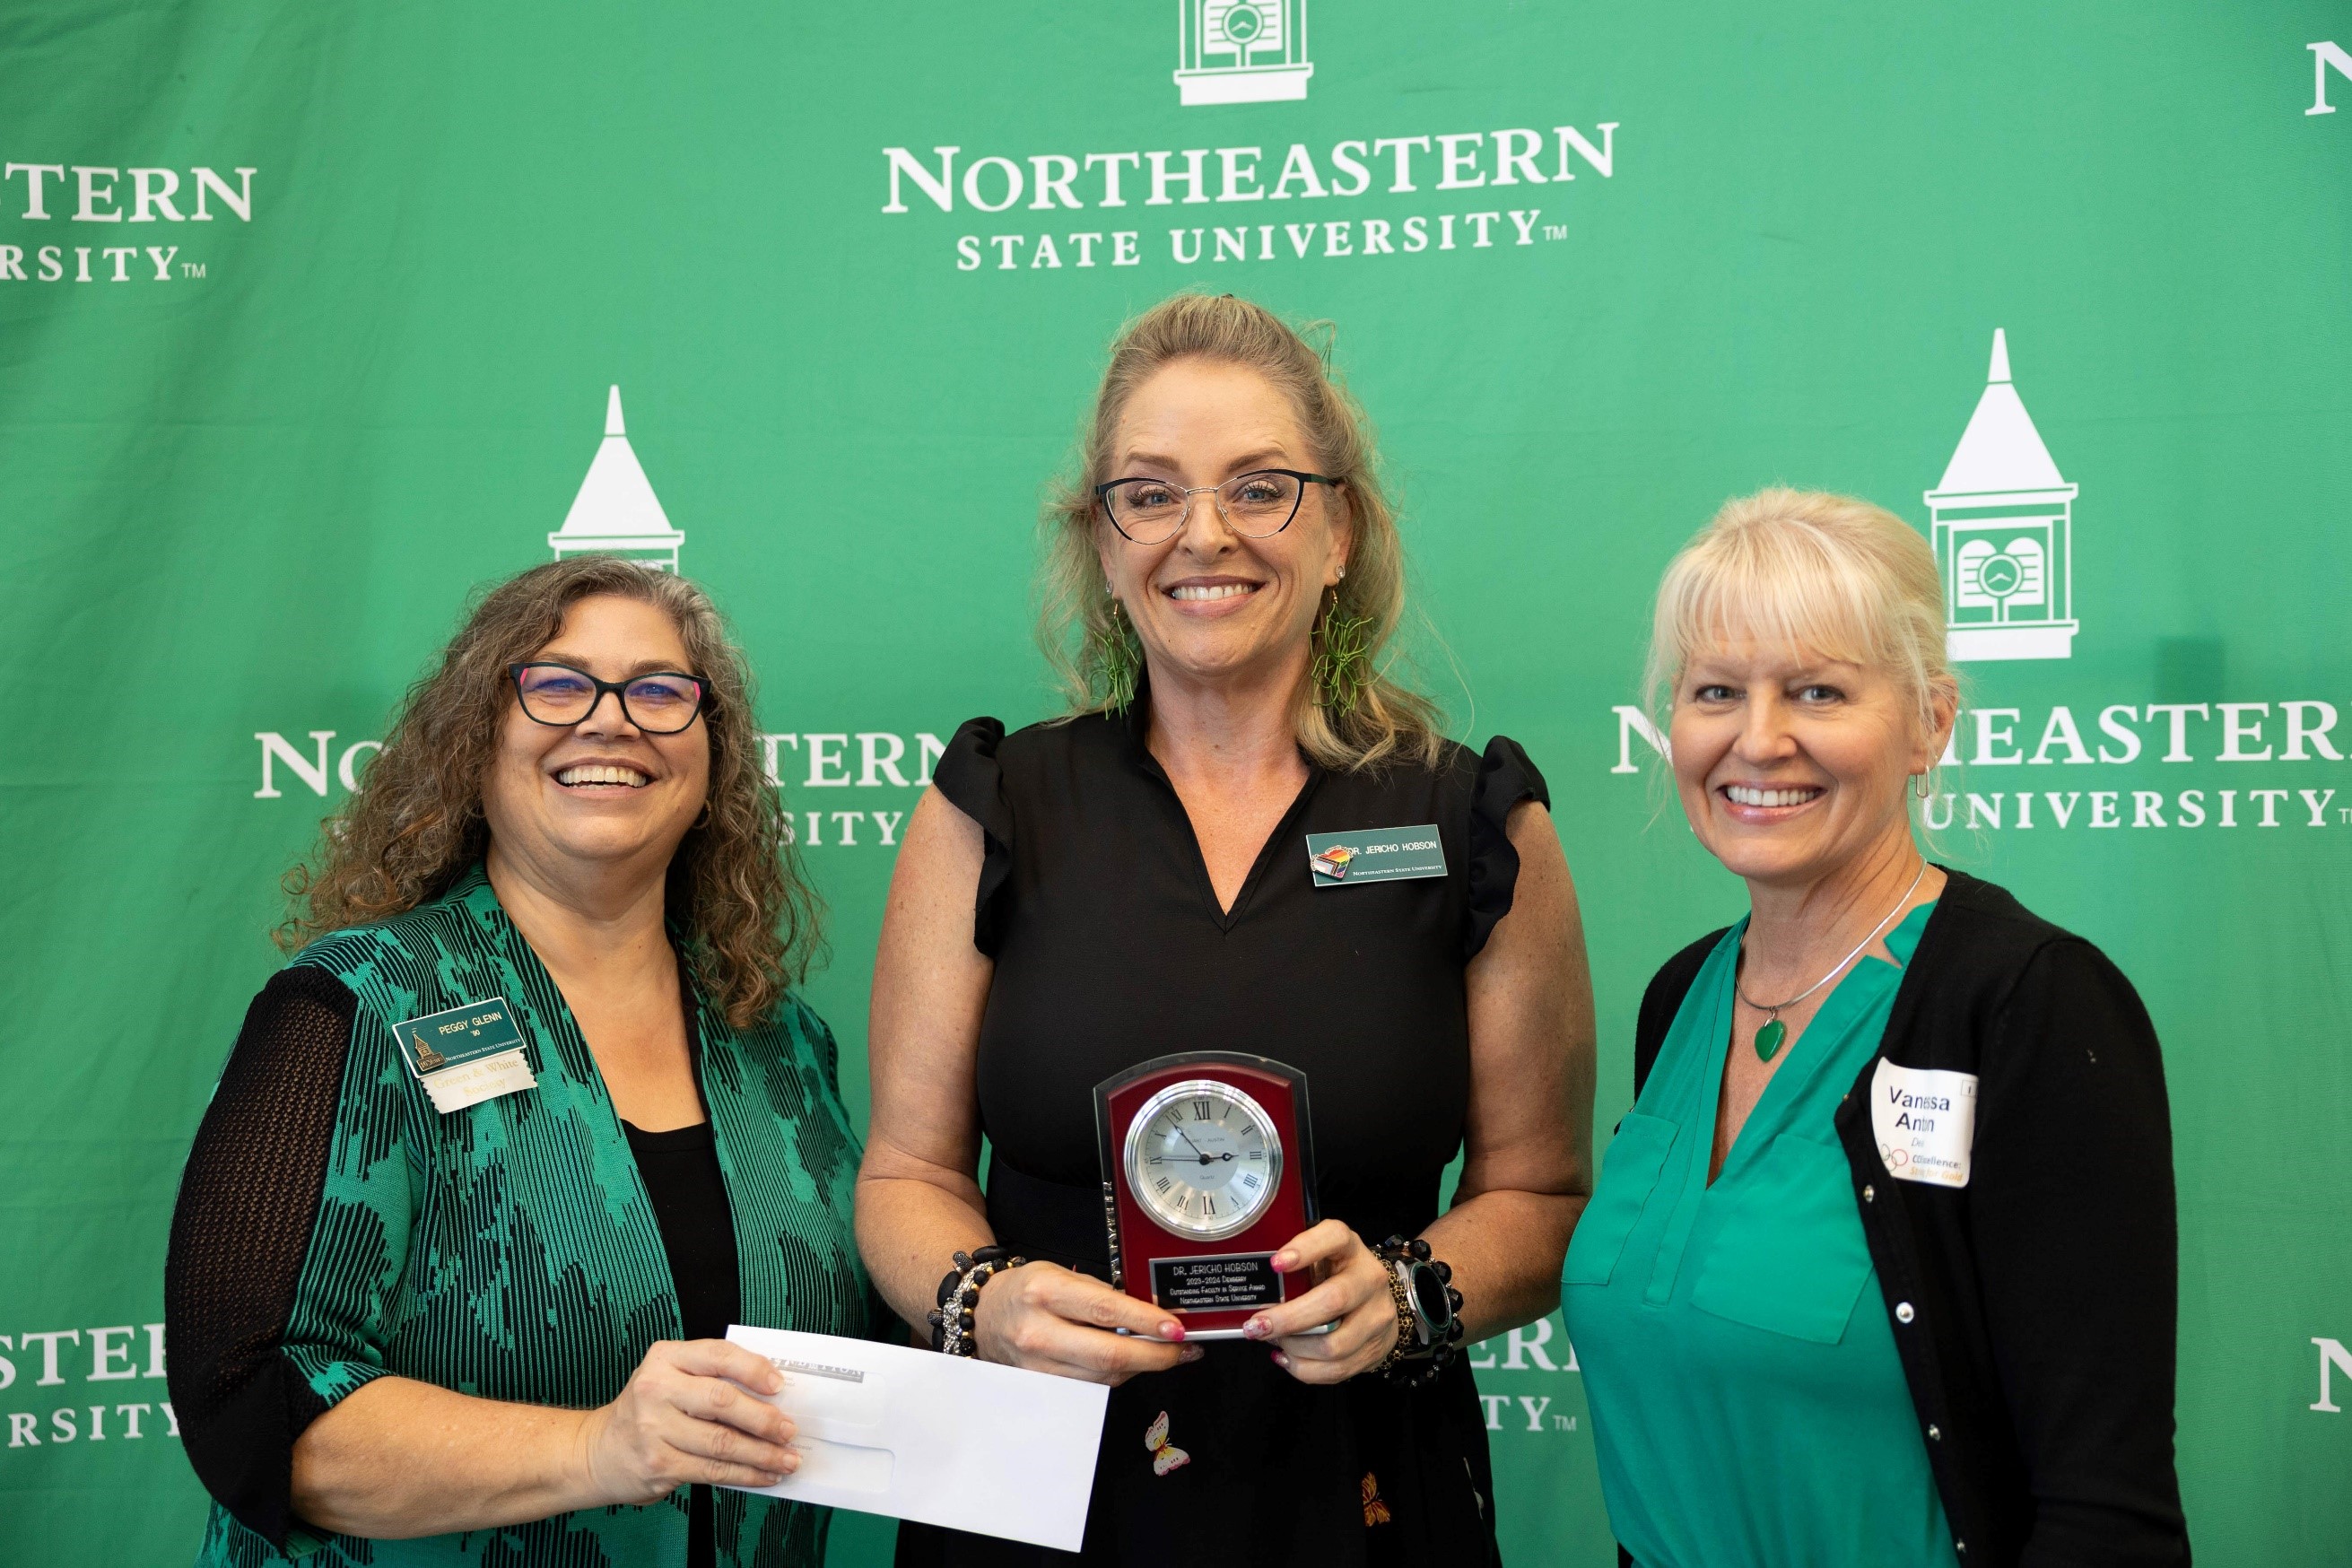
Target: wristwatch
{"points": [[1428, 1303], [1428, 1309]]}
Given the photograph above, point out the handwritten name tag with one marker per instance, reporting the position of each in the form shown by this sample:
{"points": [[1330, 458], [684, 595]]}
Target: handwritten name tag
{"points": [[1926, 1120], [466, 1055]]}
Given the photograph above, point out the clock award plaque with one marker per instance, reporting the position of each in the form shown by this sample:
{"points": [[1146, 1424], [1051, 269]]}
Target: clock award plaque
{"points": [[1208, 1170]]}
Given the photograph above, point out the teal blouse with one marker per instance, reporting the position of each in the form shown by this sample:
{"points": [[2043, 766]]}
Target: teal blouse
{"points": [[509, 1250], [1747, 1403]]}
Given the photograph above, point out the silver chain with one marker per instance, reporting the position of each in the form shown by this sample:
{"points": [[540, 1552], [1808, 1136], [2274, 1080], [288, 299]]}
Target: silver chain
{"points": [[1772, 1009]]}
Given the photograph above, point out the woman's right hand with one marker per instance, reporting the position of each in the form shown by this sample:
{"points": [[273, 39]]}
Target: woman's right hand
{"points": [[685, 1416], [1047, 1318]]}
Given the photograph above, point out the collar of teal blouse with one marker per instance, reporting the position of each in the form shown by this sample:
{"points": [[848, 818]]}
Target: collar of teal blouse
{"points": [[1825, 1042], [1902, 942]]}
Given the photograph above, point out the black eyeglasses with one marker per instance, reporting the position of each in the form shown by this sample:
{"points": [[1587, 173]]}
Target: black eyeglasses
{"points": [[1255, 505], [660, 703]]}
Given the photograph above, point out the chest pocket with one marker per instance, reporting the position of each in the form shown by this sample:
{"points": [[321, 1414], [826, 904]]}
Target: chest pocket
{"points": [[1789, 1257], [1629, 1174]]}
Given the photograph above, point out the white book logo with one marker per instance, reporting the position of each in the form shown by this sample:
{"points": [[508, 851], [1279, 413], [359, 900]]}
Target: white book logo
{"points": [[1241, 51], [2003, 524]]}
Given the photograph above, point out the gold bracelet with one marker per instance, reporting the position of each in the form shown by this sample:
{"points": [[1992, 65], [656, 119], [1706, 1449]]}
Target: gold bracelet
{"points": [[1405, 1334]]}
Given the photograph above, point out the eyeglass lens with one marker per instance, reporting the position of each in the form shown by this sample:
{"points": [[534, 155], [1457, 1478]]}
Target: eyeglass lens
{"points": [[1149, 511], [658, 704]]}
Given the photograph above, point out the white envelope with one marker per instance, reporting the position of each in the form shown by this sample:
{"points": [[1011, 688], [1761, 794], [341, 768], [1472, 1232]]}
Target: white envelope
{"points": [[939, 1439]]}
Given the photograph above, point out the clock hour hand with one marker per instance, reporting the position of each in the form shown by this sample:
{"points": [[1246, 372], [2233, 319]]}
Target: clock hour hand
{"points": [[1205, 1159]]}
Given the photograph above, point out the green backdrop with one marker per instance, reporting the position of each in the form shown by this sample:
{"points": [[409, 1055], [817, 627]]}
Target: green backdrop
{"points": [[358, 280]]}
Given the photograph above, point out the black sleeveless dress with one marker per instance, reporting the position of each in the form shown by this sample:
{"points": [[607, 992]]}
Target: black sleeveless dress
{"points": [[1110, 950]]}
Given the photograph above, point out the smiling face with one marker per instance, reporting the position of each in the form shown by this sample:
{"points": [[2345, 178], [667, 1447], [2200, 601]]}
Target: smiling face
{"points": [[602, 792], [1790, 765], [1209, 605]]}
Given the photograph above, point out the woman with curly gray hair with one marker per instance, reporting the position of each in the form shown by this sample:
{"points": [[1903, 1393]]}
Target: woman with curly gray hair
{"points": [[532, 1115]]}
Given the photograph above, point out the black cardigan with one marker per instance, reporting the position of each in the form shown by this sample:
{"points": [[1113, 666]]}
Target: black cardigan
{"points": [[2034, 1308]]}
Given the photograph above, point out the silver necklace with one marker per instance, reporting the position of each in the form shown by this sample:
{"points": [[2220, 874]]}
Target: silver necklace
{"points": [[1769, 1037]]}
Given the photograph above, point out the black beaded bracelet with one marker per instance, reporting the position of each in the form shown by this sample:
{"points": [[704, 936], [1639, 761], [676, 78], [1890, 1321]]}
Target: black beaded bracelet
{"points": [[1409, 1361], [952, 1320]]}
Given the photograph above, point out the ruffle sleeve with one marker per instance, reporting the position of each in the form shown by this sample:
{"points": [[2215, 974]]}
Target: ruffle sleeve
{"points": [[969, 776], [1505, 777]]}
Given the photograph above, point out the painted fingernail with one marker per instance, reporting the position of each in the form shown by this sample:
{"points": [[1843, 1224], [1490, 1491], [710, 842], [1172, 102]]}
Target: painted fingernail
{"points": [[1281, 1360], [1171, 1331], [1284, 1262], [1190, 1352], [1255, 1329]]}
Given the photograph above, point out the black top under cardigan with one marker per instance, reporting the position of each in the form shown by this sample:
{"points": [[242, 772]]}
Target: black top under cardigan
{"points": [[2035, 1308]]}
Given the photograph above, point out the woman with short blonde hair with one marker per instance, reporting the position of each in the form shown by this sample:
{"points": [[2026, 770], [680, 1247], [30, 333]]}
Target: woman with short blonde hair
{"points": [[1810, 570], [1135, 880], [1889, 1074]]}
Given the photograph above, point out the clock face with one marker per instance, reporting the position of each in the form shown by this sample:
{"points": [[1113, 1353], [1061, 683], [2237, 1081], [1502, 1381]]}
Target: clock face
{"points": [[1203, 1158]]}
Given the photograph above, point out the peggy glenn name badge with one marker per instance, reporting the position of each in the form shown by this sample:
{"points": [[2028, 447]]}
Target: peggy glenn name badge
{"points": [[466, 1055]]}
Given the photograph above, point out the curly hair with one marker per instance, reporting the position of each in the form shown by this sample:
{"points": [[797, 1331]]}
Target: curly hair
{"points": [[748, 919], [1378, 720]]}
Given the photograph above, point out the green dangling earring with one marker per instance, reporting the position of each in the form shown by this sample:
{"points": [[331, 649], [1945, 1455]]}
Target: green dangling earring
{"points": [[1116, 659], [1342, 657]]}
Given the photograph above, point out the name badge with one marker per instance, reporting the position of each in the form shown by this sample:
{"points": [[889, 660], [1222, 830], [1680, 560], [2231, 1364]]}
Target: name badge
{"points": [[1375, 855], [464, 1055], [1926, 1120]]}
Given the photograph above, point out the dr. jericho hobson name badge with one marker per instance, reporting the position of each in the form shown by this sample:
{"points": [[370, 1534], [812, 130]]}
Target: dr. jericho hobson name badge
{"points": [[464, 1055], [1926, 1122], [1375, 855]]}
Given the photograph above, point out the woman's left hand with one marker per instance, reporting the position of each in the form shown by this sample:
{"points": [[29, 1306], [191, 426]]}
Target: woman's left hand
{"points": [[1353, 1298]]}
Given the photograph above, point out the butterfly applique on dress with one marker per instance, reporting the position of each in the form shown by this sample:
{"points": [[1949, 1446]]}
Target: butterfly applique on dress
{"points": [[1376, 1508], [1165, 1456]]}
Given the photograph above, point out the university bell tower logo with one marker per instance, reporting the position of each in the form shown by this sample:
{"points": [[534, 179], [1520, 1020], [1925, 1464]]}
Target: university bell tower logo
{"points": [[1241, 51], [616, 511], [2003, 524]]}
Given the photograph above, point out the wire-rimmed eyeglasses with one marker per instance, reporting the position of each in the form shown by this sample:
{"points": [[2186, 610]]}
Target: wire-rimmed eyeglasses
{"points": [[661, 702], [1255, 505]]}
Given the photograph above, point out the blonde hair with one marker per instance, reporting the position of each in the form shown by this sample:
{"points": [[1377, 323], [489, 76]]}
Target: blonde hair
{"points": [[1804, 569], [748, 919], [1079, 627]]}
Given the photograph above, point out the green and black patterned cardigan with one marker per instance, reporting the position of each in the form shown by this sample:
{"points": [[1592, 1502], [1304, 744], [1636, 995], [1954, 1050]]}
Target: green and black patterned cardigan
{"points": [[332, 1228]]}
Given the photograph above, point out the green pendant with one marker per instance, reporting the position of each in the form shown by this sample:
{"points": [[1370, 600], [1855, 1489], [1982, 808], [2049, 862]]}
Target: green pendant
{"points": [[1769, 1038]]}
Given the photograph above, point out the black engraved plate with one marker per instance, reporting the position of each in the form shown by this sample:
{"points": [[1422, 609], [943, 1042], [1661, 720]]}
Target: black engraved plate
{"points": [[1241, 1280]]}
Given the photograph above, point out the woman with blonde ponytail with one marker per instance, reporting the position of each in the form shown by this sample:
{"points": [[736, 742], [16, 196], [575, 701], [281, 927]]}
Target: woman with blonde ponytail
{"points": [[1131, 880]]}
